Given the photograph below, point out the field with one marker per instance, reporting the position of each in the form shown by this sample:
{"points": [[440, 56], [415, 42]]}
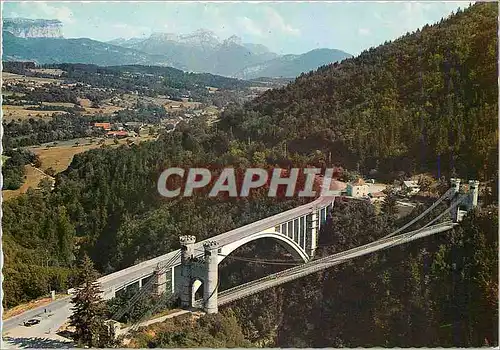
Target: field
{"points": [[33, 177], [54, 72], [20, 112], [106, 108], [11, 112], [58, 158], [129, 101], [11, 77]]}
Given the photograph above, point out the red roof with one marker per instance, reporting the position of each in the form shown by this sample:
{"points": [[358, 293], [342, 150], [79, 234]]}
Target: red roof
{"points": [[105, 126], [335, 185]]}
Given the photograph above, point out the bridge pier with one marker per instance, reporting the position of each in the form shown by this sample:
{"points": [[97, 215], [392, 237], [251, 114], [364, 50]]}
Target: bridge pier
{"points": [[187, 253], [211, 283], [469, 203], [312, 233], [455, 187], [161, 281], [473, 194]]}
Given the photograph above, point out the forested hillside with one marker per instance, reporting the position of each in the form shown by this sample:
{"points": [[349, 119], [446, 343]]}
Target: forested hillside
{"points": [[427, 101], [438, 291]]}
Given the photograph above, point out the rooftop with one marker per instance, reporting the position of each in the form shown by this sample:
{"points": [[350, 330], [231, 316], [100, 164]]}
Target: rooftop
{"points": [[358, 182]]}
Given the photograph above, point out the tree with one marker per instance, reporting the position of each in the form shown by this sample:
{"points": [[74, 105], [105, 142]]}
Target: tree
{"points": [[425, 182], [389, 207], [45, 185], [50, 171], [88, 311]]}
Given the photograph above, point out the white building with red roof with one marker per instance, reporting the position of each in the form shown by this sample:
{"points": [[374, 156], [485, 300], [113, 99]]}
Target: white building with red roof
{"points": [[357, 188]]}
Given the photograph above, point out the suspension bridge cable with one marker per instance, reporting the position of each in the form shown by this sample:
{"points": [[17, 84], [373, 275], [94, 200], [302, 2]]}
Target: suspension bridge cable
{"points": [[326, 262], [288, 263], [255, 260], [263, 261], [424, 213], [403, 237], [144, 290]]}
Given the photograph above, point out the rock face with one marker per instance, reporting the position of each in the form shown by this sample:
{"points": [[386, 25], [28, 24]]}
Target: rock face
{"points": [[33, 28]]}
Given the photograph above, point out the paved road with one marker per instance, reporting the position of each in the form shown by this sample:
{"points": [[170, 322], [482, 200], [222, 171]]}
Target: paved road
{"points": [[42, 335], [60, 309], [54, 307]]}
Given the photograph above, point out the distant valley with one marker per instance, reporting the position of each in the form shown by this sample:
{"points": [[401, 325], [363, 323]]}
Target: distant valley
{"points": [[201, 51]]}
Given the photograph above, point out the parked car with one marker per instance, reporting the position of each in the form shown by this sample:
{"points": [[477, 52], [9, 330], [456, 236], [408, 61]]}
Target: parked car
{"points": [[31, 322]]}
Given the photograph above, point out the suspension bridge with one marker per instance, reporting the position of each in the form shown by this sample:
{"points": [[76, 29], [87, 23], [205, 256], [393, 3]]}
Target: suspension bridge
{"points": [[184, 271]]}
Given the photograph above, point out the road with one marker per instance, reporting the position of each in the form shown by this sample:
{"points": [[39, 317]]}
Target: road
{"points": [[42, 335]]}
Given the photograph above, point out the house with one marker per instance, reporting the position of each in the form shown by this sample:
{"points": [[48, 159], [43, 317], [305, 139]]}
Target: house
{"points": [[336, 187], [357, 188], [376, 197], [118, 134], [132, 125], [105, 126], [411, 187], [175, 106]]}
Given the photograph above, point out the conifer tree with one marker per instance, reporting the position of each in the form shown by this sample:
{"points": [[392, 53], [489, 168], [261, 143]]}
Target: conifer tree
{"points": [[88, 316]]}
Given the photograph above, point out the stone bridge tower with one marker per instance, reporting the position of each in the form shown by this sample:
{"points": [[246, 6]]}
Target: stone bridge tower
{"points": [[468, 204], [204, 269]]}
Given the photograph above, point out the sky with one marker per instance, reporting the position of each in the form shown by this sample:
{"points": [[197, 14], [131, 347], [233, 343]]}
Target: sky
{"points": [[290, 27]]}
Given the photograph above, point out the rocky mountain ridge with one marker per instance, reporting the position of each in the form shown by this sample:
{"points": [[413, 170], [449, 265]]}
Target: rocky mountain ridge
{"points": [[201, 51], [33, 28]]}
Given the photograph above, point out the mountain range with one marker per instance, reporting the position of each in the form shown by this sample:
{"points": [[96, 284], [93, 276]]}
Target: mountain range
{"points": [[201, 51]]}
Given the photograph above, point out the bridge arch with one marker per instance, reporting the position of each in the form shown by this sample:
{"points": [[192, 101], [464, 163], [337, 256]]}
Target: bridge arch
{"points": [[286, 242]]}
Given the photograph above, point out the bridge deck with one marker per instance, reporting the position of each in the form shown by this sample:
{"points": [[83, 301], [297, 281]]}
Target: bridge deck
{"points": [[132, 274]]}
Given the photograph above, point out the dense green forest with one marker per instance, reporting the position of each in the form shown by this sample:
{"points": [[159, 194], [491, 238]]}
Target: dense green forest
{"points": [[427, 101], [439, 291], [402, 106]]}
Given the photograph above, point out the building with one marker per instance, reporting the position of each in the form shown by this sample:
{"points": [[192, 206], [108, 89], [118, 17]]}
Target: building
{"points": [[357, 188], [105, 126], [118, 134], [336, 187], [132, 125], [376, 197], [411, 187]]}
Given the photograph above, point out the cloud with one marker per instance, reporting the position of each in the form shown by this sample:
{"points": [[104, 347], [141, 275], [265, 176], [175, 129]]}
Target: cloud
{"points": [[276, 22], [407, 17], [126, 31], [364, 31], [249, 26], [46, 11]]}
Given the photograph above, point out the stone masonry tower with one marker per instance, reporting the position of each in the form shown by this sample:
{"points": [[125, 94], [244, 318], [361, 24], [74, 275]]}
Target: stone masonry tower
{"points": [[473, 194], [211, 280], [455, 186], [187, 252]]}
